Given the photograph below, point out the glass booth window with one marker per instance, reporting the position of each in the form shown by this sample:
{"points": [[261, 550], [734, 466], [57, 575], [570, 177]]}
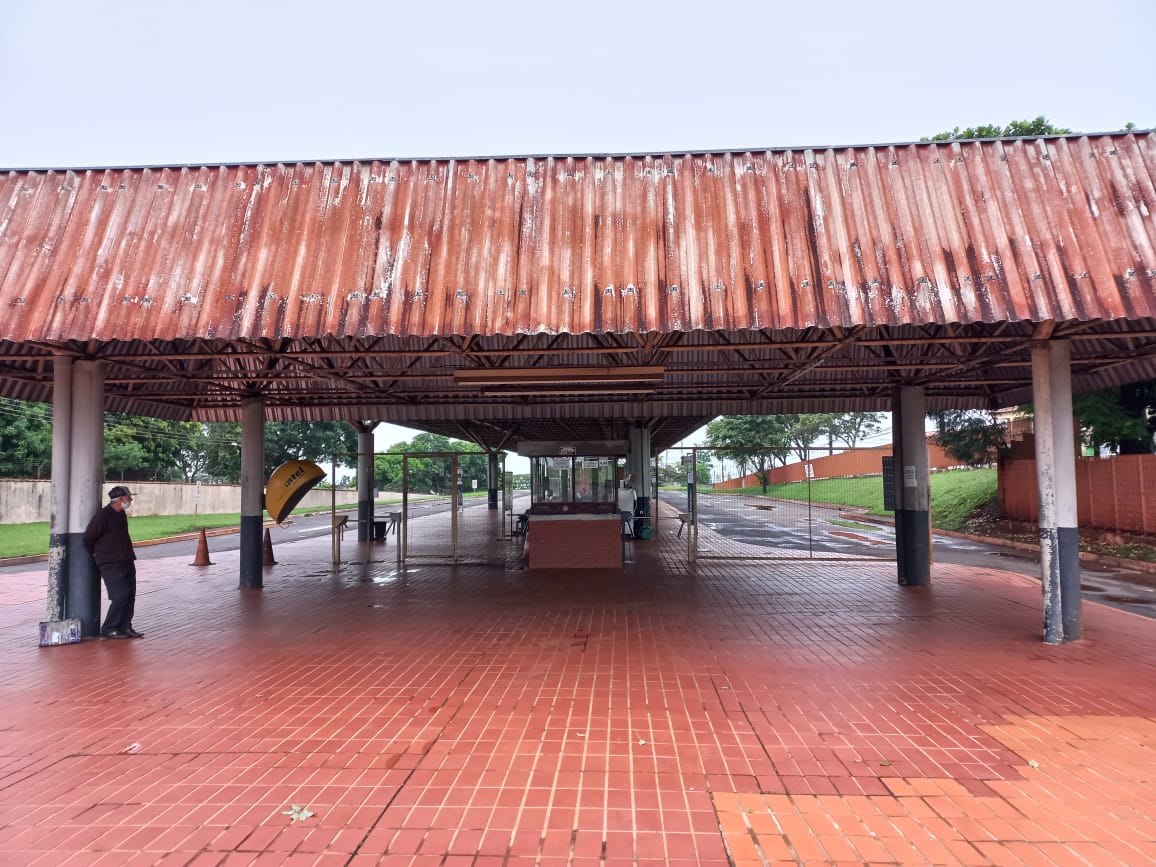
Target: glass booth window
{"points": [[573, 479]]}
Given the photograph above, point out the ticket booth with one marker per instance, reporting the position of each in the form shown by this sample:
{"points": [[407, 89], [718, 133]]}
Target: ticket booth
{"points": [[574, 521]]}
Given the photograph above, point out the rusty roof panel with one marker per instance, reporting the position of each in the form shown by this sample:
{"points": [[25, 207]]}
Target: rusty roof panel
{"points": [[958, 232]]}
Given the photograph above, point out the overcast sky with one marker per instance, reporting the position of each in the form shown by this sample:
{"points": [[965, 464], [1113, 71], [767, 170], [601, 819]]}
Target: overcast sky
{"points": [[130, 82]]}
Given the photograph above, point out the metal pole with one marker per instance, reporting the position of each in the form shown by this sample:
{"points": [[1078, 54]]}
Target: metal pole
{"points": [[1067, 523], [693, 501], [333, 528], [1046, 485], [82, 596], [61, 484], [810, 525], [365, 504], [403, 541], [252, 492], [455, 499]]}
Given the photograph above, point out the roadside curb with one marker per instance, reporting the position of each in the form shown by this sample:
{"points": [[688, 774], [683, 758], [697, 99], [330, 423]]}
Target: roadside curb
{"points": [[144, 543], [1085, 556]]}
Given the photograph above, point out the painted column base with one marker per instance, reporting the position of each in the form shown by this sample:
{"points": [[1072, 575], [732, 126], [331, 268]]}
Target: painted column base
{"points": [[913, 547], [57, 576], [364, 520], [82, 590], [1071, 596], [251, 560], [1063, 599]]}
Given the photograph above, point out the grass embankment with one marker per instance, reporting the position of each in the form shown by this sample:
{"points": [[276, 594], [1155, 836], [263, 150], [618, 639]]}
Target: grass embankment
{"points": [[28, 540], [955, 494]]}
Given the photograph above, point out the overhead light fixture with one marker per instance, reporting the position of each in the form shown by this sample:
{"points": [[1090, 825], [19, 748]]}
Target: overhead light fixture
{"points": [[564, 391], [557, 376]]}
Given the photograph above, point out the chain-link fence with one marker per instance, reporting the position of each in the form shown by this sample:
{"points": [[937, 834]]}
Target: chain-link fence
{"points": [[446, 508], [776, 504]]}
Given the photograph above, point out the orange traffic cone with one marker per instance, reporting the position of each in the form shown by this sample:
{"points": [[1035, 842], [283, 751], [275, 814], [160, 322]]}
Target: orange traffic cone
{"points": [[267, 553], [202, 558]]}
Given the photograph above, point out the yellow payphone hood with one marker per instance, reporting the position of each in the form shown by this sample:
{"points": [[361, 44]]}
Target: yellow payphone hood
{"points": [[287, 485]]}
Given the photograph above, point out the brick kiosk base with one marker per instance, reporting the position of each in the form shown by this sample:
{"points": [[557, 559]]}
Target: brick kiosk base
{"points": [[575, 542]]}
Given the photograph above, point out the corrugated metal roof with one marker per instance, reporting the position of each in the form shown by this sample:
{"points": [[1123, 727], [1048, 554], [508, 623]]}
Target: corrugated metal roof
{"points": [[935, 233], [795, 280]]}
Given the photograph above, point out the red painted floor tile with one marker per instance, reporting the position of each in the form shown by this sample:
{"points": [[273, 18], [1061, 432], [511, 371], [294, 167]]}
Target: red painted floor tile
{"points": [[453, 710]]}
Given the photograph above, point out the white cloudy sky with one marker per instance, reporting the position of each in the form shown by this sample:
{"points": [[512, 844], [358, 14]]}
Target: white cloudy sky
{"points": [[133, 82], [91, 83]]}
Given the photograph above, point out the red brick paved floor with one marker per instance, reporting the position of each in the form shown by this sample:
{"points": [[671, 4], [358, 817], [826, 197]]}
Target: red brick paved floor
{"points": [[766, 713]]}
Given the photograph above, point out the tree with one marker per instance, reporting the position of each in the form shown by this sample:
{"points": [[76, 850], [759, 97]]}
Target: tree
{"points": [[431, 474], [805, 429], [143, 448], [1138, 402], [972, 437], [1120, 418], [25, 439], [317, 441], [1017, 128], [222, 462], [751, 440], [854, 426]]}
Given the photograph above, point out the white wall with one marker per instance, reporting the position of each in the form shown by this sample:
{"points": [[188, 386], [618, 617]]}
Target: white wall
{"points": [[23, 501]]}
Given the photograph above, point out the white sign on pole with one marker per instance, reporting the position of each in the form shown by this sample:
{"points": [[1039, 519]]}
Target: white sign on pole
{"points": [[910, 479], [810, 471], [197, 496]]}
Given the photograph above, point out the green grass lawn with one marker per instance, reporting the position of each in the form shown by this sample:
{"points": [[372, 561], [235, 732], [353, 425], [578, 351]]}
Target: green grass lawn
{"points": [[25, 540], [955, 494]]}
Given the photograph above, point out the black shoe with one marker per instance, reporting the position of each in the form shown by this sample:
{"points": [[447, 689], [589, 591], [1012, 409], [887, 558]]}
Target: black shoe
{"points": [[114, 633], [132, 633]]}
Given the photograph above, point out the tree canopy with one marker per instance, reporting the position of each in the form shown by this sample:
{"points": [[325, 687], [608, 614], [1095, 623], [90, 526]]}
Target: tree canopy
{"points": [[972, 437], [138, 448], [434, 473], [1017, 128], [25, 439], [759, 442], [1121, 420]]}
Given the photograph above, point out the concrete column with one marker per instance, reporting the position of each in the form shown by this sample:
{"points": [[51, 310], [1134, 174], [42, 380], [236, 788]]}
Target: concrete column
{"points": [[61, 484], [912, 486], [252, 491], [638, 464], [494, 478], [1056, 479], [364, 480], [86, 473]]}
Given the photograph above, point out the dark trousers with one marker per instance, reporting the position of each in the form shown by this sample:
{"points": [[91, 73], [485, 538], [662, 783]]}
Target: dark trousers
{"points": [[120, 581]]}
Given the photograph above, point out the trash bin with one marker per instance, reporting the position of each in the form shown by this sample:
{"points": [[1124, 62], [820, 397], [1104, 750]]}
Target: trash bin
{"points": [[379, 528]]}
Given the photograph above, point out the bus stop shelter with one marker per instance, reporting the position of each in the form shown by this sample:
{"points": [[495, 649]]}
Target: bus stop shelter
{"points": [[600, 297]]}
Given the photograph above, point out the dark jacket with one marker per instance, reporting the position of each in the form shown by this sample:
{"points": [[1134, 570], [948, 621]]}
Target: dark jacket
{"points": [[107, 539]]}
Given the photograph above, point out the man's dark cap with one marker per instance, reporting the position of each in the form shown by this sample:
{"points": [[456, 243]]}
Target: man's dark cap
{"points": [[118, 492]]}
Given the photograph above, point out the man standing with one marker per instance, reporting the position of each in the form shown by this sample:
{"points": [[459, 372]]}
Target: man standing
{"points": [[627, 501], [107, 540]]}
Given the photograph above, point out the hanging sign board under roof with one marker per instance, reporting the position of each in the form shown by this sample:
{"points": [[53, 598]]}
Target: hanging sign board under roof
{"points": [[581, 448]]}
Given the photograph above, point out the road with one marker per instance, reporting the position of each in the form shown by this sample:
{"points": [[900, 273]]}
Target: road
{"points": [[820, 530]]}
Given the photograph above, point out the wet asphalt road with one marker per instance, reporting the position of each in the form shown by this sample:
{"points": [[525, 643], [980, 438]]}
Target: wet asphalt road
{"points": [[818, 531]]}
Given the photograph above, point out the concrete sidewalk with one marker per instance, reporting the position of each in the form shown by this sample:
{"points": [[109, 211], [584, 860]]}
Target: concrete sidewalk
{"points": [[766, 713]]}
